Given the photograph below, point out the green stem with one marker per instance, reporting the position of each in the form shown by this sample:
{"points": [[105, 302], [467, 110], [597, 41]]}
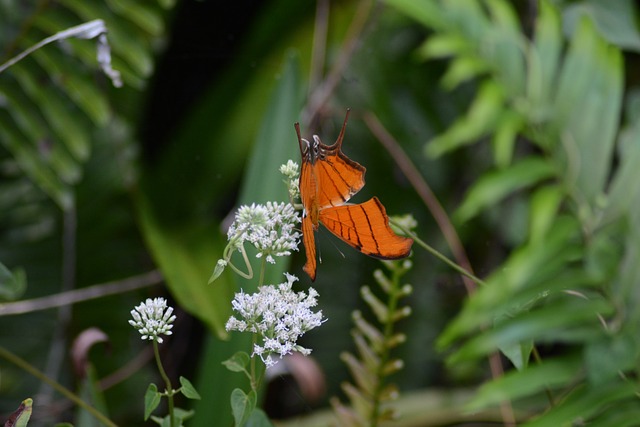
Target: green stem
{"points": [[23, 364], [392, 306], [439, 255], [167, 381]]}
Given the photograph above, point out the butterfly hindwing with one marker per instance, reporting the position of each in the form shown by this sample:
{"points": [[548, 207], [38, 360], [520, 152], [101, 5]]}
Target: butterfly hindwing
{"points": [[365, 227]]}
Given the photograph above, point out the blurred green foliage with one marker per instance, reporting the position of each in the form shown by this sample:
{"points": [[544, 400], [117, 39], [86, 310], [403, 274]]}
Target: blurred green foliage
{"points": [[523, 119]]}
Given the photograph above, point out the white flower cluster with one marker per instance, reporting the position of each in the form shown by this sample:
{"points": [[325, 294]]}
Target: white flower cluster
{"points": [[277, 314], [151, 319], [270, 228], [292, 172]]}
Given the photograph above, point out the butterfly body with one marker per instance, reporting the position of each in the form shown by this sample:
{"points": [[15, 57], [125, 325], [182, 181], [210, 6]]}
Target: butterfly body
{"points": [[328, 179]]}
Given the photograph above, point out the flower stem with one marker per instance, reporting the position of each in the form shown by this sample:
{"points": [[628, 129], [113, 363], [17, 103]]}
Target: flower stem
{"points": [[439, 255], [23, 364], [167, 382]]}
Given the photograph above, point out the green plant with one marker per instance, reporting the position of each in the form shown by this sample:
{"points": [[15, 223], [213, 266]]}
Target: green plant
{"points": [[552, 113]]}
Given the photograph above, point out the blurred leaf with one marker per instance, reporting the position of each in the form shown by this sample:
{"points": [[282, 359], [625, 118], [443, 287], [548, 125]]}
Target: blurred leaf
{"points": [[588, 100], [615, 20], [242, 405], [504, 140], [480, 120], [424, 11], [188, 390], [20, 417], [545, 204], [609, 356], [522, 383], [258, 419], [12, 283], [544, 59], [538, 325], [151, 400], [519, 354], [583, 402], [238, 362], [494, 186]]}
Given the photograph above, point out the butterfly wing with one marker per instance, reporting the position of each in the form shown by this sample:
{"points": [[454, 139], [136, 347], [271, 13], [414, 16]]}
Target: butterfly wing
{"points": [[365, 227]]}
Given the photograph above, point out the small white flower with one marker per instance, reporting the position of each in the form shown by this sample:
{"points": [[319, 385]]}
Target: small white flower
{"points": [[279, 315], [292, 172], [270, 228], [151, 319]]}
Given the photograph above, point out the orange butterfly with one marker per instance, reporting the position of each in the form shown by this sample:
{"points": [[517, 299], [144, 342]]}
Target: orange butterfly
{"points": [[328, 179]]}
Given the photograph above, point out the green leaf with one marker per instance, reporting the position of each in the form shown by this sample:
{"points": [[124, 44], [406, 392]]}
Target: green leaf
{"points": [[544, 60], [188, 390], [504, 139], [588, 101], [582, 403], [242, 406], [238, 362], [545, 203], [426, 12], [519, 353], [480, 120], [258, 419], [539, 324], [151, 400], [494, 186], [609, 356], [624, 192], [12, 283], [522, 383], [614, 20]]}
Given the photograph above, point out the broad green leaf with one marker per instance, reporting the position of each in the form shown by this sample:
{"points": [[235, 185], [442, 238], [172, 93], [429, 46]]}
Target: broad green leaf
{"points": [[623, 414], [503, 47], [609, 356], [12, 283], [504, 139], [494, 186], [441, 46], [151, 400], [522, 383], [624, 192], [543, 60], [188, 390], [242, 405], [506, 289], [614, 19], [519, 354], [238, 362], [588, 100], [480, 120], [545, 203], [462, 69], [582, 403], [258, 419], [424, 11], [539, 324]]}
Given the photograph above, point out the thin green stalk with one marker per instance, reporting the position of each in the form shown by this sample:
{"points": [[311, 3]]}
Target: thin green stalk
{"points": [[23, 364], [167, 381], [438, 255], [392, 305]]}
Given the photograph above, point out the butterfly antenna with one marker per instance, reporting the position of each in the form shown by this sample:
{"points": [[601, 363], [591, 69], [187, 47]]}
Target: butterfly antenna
{"points": [[344, 126], [297, 126]]}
